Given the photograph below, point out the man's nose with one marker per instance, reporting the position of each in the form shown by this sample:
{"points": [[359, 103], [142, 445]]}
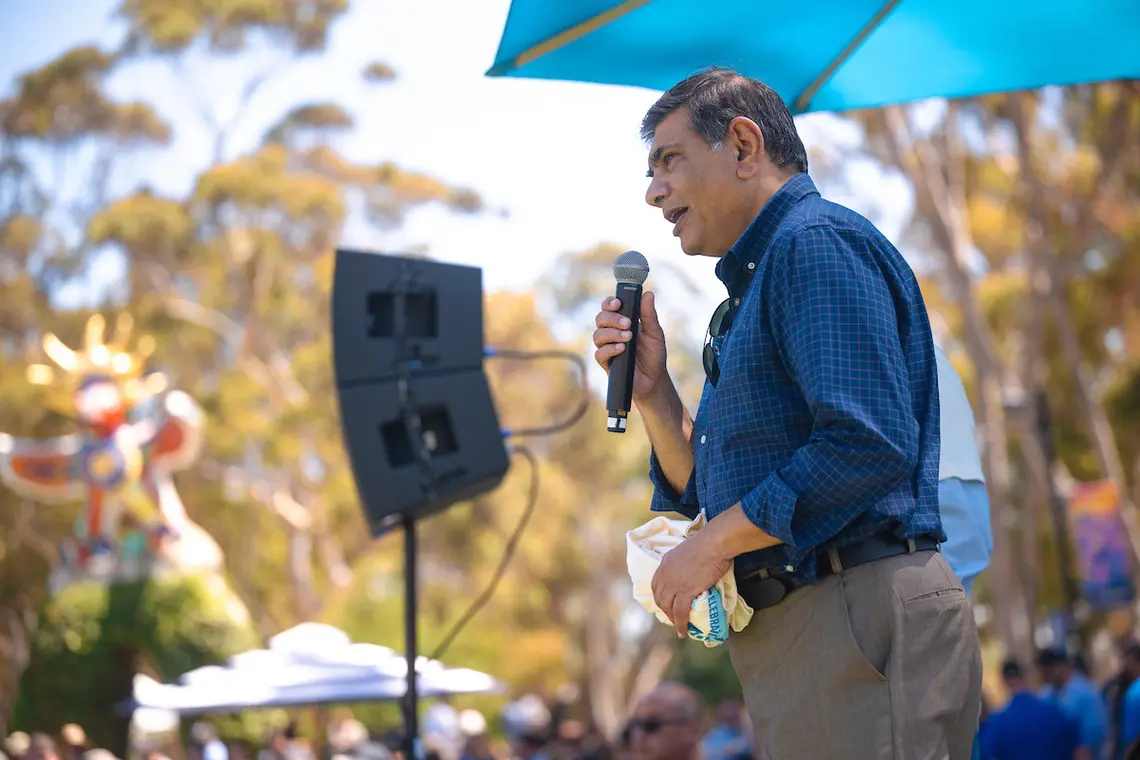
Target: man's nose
{"points": [[655, 193], [637, 742]]}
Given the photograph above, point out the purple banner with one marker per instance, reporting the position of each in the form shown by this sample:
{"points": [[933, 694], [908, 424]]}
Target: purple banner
{"points": [[1102, 546]]}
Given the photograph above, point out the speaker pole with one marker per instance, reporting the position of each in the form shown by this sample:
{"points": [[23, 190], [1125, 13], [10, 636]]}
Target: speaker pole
{"points": [[411, 696]]}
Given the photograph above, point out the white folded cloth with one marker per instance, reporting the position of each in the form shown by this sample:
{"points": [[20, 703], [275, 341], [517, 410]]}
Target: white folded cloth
{"points": [[714, 612]]}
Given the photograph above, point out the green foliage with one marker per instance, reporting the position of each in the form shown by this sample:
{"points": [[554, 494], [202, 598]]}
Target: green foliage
{"points": [[378, 72], [92, 638], [171, 26], [707, 670], [64, 101]]}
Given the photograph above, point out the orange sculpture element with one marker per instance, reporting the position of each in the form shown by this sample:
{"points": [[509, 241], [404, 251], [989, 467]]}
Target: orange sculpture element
{"points": [[134, 433]]}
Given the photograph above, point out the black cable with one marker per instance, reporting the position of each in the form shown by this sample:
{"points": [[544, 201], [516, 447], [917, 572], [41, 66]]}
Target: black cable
{"points": [[508, 553], [583, 382]]}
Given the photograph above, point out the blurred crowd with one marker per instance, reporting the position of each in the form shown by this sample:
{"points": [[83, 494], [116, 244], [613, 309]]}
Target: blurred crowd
{"points": [[669, 723], [1063, 714], [1055, 710]]}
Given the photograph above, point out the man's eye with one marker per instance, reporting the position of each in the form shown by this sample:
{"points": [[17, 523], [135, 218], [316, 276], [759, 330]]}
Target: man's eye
{"points": [[668, 159]]}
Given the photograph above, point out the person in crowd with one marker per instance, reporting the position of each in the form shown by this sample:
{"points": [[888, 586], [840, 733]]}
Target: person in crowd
{"points": [[275, 746], [666, 724], [1115, 692], [1029, 727], [728, 740], [213, 748], [963, 502], [1130, 719], [99, 753], [1077, 696], [17, 745], [74, 742], [42, 747]]}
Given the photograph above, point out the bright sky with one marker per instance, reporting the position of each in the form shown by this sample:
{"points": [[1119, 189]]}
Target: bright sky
{"points": [[563, 159]]}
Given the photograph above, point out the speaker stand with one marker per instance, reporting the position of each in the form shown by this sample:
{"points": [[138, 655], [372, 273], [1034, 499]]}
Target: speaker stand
{"points": [[411, 696]]}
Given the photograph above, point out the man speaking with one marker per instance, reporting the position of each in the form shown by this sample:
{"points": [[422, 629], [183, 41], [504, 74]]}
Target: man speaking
{"points": [[815, 449]]}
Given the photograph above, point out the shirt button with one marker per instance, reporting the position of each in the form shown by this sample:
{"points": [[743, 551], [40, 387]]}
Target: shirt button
{"points": [[736, 302], [702, 439], [751, 264]]}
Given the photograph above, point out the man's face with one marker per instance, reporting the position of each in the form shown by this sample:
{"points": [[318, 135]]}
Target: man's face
{"points": [[660, 731], [730, 713], [696, 187], [1055, 675]]}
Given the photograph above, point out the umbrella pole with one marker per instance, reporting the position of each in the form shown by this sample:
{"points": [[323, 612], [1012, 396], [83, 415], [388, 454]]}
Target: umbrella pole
{"points": [[411, 695]]}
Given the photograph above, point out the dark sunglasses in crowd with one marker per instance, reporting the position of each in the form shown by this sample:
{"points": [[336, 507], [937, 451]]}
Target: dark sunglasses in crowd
{"points": [[718, 327], [653, 724]]}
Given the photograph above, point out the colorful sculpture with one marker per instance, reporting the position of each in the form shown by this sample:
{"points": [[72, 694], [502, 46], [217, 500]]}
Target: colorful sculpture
{"points": [[134, 432]]}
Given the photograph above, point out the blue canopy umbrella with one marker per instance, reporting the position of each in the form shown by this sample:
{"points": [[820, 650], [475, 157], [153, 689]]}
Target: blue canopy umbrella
{"points": [[828, 55]]}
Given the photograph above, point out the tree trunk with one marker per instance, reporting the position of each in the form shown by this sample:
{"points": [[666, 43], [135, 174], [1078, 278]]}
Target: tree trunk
{"points": [[1049, 286], [1104, 443], [19, 625], [618, 672], [1032, 335], [653, 666]]}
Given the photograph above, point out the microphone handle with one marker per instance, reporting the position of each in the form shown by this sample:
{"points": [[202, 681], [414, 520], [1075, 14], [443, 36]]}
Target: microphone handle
{"points": [[619, 395]]}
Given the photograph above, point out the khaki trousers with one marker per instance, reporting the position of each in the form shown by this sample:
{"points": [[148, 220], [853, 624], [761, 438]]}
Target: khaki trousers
{"points": [[879, 662]]}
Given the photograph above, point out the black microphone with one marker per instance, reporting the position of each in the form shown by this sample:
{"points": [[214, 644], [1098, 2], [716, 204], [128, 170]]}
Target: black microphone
{"points": [[630, 271]]}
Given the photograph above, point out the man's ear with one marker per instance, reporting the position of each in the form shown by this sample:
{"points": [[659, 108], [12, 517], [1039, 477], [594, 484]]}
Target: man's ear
{"points": [[745, 137]]}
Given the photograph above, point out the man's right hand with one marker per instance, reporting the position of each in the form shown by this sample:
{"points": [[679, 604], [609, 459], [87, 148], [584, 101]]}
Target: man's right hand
{"points": [[613, 334]]}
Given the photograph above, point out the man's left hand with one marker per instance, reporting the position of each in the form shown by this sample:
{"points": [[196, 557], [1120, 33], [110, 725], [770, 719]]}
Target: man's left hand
{"points": [[685, 573]]}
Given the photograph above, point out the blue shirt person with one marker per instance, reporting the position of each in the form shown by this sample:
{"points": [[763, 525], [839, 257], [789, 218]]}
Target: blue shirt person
{"points": [[815, 448], [1029, 727], [1076, 695], [1130, 722], [963, 502], [825, 344], [1123, 703]]}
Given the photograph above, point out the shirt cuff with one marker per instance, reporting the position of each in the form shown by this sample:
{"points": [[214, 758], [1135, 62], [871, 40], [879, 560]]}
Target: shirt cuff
{"points": [[666, 499], [771, 506]]}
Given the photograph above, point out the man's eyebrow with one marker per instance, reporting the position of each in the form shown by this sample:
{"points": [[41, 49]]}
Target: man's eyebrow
{"points": [[655, 156]]}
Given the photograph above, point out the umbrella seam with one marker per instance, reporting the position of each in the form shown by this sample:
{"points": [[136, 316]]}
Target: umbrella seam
{"points": [[567, 36], [805, 97]]}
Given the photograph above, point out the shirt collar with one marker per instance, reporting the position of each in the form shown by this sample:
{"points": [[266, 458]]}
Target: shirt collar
{"points": [[733, 269]]}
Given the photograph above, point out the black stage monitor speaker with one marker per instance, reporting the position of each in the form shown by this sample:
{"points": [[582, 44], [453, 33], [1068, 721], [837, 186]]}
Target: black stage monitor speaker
{"points": [[419, 423]]}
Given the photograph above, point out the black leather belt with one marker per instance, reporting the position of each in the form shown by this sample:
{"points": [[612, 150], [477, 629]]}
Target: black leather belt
{"points": [[767, 588]]}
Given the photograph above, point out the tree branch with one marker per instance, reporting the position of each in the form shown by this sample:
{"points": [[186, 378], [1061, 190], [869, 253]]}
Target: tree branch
{"points": [[276, 375]]}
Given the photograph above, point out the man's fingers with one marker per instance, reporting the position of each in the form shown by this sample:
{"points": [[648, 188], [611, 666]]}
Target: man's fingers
{"points": [[680, 617], [605, 335], [607, 352], [611, 319], [649, 321], [611, 303]]}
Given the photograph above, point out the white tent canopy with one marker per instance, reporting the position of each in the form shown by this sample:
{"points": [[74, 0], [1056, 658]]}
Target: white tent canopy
{"points": [[309, 664]]}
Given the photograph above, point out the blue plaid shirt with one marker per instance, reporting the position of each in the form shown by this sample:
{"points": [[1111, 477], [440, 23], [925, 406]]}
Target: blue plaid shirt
{"points": [[824, 422]]}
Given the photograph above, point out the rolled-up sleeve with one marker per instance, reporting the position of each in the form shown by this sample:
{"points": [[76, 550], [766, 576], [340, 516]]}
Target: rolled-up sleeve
{"points": [[666, 499], [834, 321]]}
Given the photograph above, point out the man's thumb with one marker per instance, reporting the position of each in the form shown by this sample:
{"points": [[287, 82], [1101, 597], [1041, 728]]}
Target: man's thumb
{"points": [[649, 319]]}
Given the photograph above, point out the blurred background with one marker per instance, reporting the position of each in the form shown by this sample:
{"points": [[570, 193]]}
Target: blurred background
{"points": [[194, 164]]}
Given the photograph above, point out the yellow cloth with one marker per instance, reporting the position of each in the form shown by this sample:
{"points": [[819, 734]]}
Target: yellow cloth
{"points": [[714, 611]]}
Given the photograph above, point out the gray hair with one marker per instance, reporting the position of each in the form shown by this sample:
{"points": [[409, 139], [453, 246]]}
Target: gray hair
{"points": [[716, 96]]}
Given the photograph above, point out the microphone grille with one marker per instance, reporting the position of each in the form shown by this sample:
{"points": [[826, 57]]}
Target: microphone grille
{"points": [[631, 266]]}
